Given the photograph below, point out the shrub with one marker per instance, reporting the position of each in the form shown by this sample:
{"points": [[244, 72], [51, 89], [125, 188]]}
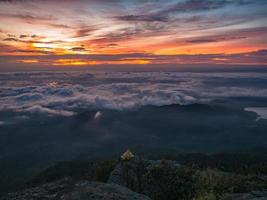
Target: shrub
{"points": [[165, 182], [78, 170]]}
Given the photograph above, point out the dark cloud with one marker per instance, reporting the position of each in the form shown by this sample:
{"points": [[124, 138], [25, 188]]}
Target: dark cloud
{"points": [[201, 5], [112, 45], [262, 52], [201, 41], [23, 36], [11, 39], [215, 39], [141, 30], [145, 18], [29, 51], [195, 5], [11, 35], [233, 35], [84, 31], [26, 16], [14, 39], [163, 14], [78, 49], [187, 6], [61, 26]]}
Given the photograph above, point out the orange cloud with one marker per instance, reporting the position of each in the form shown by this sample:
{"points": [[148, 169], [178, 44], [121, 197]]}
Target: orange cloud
{"points": [[80, 62], [28, 61]]}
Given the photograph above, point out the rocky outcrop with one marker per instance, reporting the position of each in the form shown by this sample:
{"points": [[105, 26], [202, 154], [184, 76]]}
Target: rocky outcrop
{"points": [[48, 191], [130, 170], [67, 189], [96, 191]]}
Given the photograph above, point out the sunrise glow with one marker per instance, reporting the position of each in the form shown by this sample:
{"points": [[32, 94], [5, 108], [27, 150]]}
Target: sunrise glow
{"points": [[204, 31]]}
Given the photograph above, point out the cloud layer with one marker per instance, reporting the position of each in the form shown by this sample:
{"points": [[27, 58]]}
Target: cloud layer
{"points": [[67, 93]]}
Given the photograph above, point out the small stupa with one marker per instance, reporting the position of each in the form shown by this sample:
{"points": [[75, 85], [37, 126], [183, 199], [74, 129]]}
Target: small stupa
{"points": [[127, 155]]}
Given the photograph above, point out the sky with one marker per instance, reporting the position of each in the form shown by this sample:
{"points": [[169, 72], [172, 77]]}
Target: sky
{"points": [[132, 32]]}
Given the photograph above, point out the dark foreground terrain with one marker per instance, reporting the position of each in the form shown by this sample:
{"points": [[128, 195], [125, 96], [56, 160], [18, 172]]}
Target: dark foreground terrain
{"points": [[36, 142], [192, 176]]}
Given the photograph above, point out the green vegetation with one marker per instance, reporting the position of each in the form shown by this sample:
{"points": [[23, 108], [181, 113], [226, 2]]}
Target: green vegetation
{"points": [[164, 182], [244, 164], [217, 184], [78, 170]]}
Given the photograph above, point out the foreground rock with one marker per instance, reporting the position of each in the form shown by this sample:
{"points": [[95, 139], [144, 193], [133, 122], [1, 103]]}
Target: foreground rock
{"points": [[67, 189], [129, 172], [95, 190]]}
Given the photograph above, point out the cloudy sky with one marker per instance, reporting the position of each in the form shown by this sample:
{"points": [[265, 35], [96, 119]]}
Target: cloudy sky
{"points": [[132, 32]]}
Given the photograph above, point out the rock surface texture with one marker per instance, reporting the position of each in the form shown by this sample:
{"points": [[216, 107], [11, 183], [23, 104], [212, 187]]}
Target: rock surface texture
{"points": [[67, 189]]}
